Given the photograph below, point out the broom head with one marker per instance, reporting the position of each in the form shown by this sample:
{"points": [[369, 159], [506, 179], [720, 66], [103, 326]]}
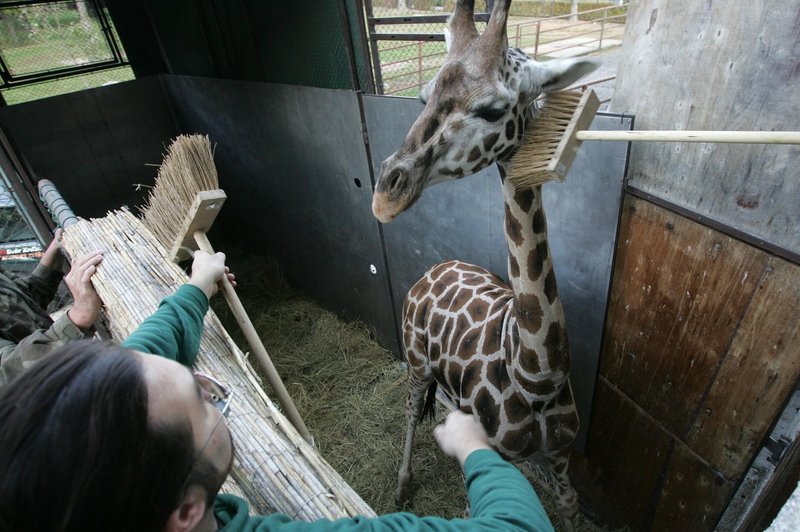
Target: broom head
{"points": [[550, 144], [187, 170]]}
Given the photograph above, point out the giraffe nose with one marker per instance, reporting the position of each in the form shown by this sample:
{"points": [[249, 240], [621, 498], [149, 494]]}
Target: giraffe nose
{"points": [[382, 207], [395, 179]]}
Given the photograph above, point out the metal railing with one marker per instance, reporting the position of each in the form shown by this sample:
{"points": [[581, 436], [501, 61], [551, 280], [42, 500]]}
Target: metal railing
{"points": [[538, 39]]}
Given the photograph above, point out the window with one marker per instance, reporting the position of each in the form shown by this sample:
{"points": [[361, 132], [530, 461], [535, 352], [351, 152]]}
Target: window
{"points": [[58, 46]]}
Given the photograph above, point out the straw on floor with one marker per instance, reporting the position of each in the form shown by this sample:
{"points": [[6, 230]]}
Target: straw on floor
{"points": [[274, 467]]}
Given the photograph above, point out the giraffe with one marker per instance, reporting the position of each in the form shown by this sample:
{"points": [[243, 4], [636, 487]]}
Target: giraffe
{"points": [[499, 352]]}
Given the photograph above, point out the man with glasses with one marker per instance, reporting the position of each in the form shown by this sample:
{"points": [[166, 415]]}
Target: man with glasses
{"points": [[105, 437]]}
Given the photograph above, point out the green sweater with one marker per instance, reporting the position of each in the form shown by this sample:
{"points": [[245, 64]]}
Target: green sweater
{"points": [[174, 329], [501, 499]]}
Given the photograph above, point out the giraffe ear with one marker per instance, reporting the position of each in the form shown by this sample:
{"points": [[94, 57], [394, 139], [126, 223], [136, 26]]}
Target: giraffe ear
{"points": [[448, 39], [557, 73]]}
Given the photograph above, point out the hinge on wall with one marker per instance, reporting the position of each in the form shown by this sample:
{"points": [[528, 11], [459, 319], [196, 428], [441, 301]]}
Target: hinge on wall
{"points": [[777, 448]]}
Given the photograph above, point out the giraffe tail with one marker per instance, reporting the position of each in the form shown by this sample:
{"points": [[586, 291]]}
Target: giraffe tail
{"points": [[429, 408]]}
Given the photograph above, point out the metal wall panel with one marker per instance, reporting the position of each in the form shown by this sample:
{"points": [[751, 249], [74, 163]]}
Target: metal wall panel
{"points": [[292, 162], [94, 144], [464, 220]]}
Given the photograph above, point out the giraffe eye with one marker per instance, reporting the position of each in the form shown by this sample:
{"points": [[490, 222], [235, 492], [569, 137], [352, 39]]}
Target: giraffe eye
{"points": [[491, 114]]}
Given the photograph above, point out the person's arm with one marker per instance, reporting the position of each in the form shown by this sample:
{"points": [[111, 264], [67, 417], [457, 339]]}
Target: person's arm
{"points": [[175, 328], [16, 357], [501, 498], [42, 283], [77, 323]]}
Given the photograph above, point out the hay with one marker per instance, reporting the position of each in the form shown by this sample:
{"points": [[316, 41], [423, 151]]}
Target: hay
{"points": [[351, 394]]}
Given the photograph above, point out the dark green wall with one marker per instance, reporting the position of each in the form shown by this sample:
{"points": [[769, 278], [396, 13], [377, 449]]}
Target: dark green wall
{"points": [[304, 42]]}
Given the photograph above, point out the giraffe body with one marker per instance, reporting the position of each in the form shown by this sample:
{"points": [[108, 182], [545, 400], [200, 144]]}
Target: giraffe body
{"points": [[497, 351]]}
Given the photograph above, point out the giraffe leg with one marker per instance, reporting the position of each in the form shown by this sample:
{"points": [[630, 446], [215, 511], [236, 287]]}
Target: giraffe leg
{"points": [[414, 406], [566, 497]]}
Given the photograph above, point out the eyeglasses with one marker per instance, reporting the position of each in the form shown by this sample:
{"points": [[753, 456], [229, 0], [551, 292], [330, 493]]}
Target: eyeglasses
{"points": [[215, 392], [218, 395]]}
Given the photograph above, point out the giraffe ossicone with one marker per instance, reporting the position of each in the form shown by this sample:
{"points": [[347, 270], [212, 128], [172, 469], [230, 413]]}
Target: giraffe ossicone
{"points": [[500, 352]]}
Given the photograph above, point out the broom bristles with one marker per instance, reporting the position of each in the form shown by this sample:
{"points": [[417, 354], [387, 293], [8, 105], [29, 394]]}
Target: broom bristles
{"points": [[188, 168], [549, 145]]}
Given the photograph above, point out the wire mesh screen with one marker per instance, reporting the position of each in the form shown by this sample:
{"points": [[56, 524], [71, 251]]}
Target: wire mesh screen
{"points": [[55, 47]]}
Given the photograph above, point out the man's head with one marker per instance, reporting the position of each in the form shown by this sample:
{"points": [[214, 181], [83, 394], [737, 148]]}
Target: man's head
{"points": [[96, 437]]}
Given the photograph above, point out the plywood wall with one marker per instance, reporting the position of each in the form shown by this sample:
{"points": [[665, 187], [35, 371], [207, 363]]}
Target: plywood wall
{"points": [[717, 66], [699, 355]]}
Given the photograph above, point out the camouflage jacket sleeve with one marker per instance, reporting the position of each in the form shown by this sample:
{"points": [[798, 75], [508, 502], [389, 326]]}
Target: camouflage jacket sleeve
{"points": [[15, 358], [41, 285]]}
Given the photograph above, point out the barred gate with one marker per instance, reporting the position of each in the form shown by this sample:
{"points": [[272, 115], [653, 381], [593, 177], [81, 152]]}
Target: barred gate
{"points": [[407, 43]]}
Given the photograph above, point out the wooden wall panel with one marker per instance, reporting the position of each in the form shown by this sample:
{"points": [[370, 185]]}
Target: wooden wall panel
{"points": [[717, 66], [757, 375], [693, 494], [620, 473], [700, 355], [679, 292]]}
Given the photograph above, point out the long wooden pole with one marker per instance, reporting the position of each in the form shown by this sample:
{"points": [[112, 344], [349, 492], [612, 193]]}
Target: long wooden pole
{"points": [[735, 137], [257, 346]]}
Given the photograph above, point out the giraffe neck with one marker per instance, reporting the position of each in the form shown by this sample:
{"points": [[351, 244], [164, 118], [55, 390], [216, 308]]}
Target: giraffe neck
{"points": [[541, 350]]}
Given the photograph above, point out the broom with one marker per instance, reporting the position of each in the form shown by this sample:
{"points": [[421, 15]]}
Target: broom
{"points": [[179, 211], [553, 137]]}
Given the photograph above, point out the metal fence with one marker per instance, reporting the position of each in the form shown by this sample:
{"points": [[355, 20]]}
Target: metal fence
{"points": [[57, 46], [407, 44]]}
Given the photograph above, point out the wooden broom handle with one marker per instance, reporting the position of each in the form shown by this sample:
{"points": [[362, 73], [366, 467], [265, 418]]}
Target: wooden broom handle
{"points": [[738, 137], [257, 346]]}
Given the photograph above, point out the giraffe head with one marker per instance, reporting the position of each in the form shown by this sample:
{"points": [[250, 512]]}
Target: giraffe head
{"points": [[475, 109]]}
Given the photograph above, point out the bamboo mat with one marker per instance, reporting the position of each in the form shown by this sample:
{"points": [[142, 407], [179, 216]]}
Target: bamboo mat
{"points": [[273, 465]]}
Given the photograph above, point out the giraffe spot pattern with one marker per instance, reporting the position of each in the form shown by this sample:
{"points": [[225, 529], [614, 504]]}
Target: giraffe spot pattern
{"points": [[513, 267], [484, 406], [539, 224], [430, 129], [493, 335], [490, 141], [543, 388], [561, 429], [510, 129], [550, 287], [524, 198], [469, 379], [516, 410], [535, 264], [474, 155], [437, 324], [478, 310], [513, 228], [529, 312], [469, 343], [555, 343]]}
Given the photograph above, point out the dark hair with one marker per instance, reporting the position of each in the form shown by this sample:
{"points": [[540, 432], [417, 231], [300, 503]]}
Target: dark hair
{"points": [[77, 451]]}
